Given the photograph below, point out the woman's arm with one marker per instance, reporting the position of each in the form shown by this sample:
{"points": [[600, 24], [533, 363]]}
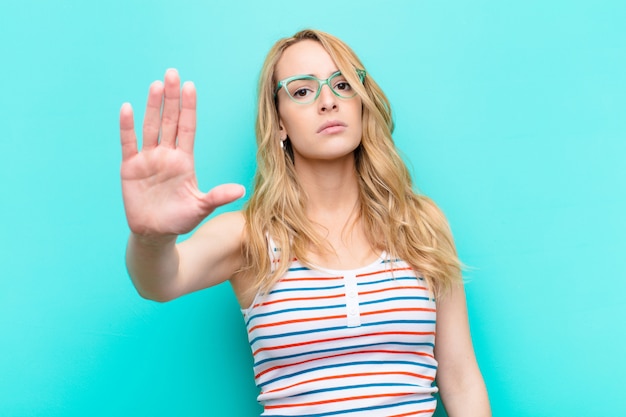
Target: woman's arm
{"points": [[162, 200], [162, 270], [460, 382]]}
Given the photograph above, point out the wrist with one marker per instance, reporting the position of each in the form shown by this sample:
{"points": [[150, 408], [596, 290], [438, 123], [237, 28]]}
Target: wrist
{"points": [[154, 241]]}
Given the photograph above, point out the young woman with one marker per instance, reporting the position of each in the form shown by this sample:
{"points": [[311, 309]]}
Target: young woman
{"points": [[341, 269]]}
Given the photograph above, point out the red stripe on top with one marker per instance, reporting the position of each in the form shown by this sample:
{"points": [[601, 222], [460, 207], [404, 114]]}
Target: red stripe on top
{"points": [[356, 375], [393, 289], [369, 313], [266, 303], [414, 413], [392, 310], [311, 279], [280, 323], [360, 352], [310, 342], [274, 260], [335, 400]]}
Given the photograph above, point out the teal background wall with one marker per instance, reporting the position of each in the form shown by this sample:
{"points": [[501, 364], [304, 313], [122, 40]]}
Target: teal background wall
{"points": [[512, 116]]}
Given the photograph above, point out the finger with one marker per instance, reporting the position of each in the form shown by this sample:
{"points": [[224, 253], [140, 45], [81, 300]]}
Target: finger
{"points": [[127, 132], [171, 109], [187, 119], [152, 119], [224, 194]]}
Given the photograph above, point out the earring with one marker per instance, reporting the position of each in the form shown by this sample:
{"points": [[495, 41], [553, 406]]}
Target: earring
{"points": [[282, 144]]}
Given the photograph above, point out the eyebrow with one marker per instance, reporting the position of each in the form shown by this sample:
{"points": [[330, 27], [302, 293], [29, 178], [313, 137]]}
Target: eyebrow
{"points": [[311, 75]]}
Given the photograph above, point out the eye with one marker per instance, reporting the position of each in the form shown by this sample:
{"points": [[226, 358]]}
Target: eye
{"points": [[301, 89], [343, 86], [301, 93]]}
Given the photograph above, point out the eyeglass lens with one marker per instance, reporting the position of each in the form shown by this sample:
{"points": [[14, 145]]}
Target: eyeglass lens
{"points": [[305, 89]]}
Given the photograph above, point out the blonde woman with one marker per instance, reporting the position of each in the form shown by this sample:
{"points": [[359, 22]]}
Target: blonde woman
{"points": [[342, 271]]}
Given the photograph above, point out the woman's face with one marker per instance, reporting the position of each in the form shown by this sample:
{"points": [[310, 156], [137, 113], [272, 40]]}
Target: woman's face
{"points": [[329, 128]]}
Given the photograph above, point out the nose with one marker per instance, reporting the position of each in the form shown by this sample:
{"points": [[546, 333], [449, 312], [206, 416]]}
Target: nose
{"points": [[327, 99]]}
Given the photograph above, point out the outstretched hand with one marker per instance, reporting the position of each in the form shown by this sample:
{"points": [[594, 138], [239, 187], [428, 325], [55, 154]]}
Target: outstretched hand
{"points": [[159, 184]]}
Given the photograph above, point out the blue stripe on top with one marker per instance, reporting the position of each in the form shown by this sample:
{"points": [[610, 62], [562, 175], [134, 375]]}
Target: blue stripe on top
{"points": [[340, 349], [350, 364], [359, 409]]}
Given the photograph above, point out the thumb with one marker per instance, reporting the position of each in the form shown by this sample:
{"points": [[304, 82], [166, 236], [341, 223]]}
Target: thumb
{"points": [[224, 194]]}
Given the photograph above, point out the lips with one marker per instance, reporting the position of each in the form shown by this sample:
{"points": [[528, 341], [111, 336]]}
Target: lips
{"points": [[332, 126]]}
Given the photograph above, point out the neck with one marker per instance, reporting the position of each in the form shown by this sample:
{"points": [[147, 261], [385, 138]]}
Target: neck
{"points": [[333, 196], [331, 187]]}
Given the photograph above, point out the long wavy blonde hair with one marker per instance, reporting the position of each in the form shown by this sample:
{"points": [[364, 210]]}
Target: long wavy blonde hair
{"points": [[395, 219]]}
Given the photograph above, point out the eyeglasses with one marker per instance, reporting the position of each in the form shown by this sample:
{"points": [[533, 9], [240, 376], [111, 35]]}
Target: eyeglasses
{"points": [[305, 89]]}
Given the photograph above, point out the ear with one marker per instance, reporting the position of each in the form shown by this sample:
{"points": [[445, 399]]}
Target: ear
{"points": [[282, 131]]}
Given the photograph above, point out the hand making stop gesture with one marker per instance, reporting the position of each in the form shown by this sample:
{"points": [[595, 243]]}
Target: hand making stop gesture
{"points": [[159, 184]]}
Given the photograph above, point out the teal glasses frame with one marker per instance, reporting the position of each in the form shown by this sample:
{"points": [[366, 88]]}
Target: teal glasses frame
{"points": [[283, 84]]}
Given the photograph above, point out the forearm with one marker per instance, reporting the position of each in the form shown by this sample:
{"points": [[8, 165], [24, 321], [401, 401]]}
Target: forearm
{"points": [[152, 264], [465, 398]]}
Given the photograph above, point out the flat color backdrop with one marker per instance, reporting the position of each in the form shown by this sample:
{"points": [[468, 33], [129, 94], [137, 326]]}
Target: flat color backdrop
{"points": [[512, 116]]}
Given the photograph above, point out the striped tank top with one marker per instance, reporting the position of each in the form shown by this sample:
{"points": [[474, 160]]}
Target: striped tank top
{"points": [[351, 343]]}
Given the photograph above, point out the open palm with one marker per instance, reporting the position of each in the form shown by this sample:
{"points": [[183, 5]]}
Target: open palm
{"points": [[159, 185]]}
